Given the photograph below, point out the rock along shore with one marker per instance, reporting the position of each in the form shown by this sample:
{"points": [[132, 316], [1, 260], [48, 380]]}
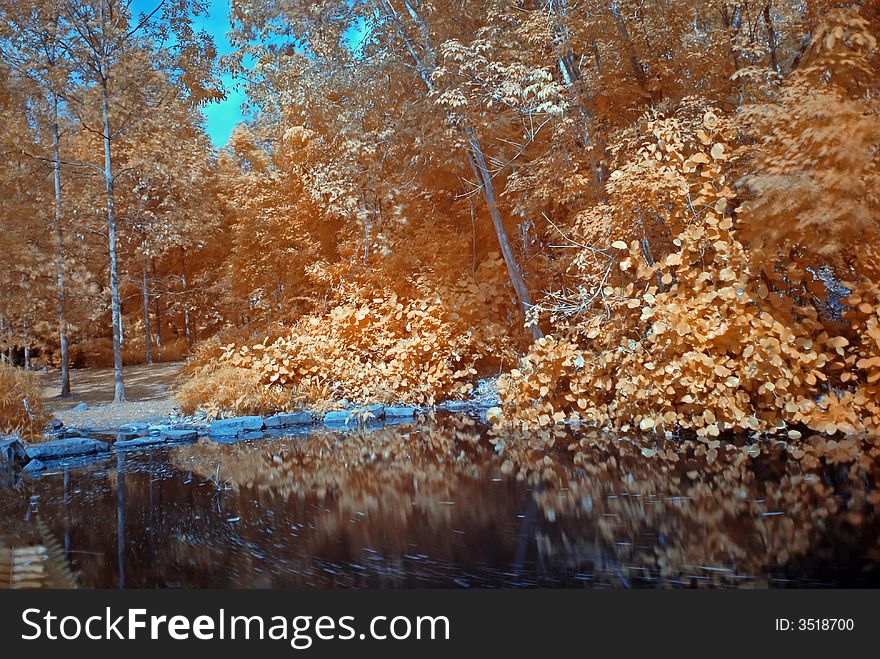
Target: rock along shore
{"points": [[66, 443]]}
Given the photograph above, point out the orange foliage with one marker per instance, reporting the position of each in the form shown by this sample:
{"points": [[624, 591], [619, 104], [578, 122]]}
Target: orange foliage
{"points": [[367, 347], [710, 169], [697, 339], [21, 403]]}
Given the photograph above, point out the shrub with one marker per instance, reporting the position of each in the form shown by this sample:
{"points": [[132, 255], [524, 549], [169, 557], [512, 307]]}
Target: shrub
{"points": [[21, 405], [696, 339], [368, 347]]}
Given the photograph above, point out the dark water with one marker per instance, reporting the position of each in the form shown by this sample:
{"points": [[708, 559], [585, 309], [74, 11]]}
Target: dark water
{"points": [[446, 505]]}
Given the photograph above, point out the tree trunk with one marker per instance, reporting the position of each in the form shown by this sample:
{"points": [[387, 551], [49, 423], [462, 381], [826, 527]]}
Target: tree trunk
{"points": [[148, 337], [475, 157], [571, 74], [636, 66], [59, 258], [771, 38], [186, 315], [157, 310], [115, 306], [519, 286], [185, 300], [27, 346]]}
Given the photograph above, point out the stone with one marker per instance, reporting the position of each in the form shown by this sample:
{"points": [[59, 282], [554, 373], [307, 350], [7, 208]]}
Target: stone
{"points": [[35, 465], [64, 448], [81, 407], [12, 452], [397, 420], [236, 425], [400, 412], [139, 442], [457, 405], [225, 439], [289, 419], [56, 424], [378, 411], [180, 435], [137, 426], [98, 430], [339, 418]]}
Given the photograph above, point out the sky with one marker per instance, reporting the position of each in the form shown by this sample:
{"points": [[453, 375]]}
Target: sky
{"points": [[221, 117]]}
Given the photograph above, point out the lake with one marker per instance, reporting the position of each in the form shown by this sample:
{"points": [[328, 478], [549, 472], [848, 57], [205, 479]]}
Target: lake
{"points": [[449, 503]]}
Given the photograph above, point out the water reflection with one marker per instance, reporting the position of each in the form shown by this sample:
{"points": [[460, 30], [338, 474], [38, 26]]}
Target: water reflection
{"points": [[446, 504]]}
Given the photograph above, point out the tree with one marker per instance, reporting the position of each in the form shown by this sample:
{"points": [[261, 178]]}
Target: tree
{"points": [[33, 45], [113, 50], [401, 39]]}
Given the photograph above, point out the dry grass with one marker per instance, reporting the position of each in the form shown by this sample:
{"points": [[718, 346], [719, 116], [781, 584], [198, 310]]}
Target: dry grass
{"points": [[221, 389], [21, 404]]}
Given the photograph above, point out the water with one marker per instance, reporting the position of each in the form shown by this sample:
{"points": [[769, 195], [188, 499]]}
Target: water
{"points": [[445, 504]]}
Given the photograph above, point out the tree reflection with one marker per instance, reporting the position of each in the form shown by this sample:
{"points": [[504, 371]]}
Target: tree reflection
{"points": [[613, 510]]}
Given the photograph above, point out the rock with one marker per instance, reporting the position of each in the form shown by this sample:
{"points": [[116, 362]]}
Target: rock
{"points": [[64, 448], [12, 452], [98, 430], [378, 411], [81, 407], [289, 419], [236, 425], [56, 424], [139, 442], [400, 412], [225, 439], [397, 420], [72, 432], [486, 393], [35, 465], [137, 426], [339, 418], [156, 429], [124, 436], [180, 435], [457, 405]]}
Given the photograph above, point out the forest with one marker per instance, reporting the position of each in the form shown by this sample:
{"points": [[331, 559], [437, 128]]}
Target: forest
{"points": [[657, 216]]}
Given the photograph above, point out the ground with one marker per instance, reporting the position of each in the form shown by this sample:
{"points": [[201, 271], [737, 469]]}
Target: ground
{"points": [[148, 390]]}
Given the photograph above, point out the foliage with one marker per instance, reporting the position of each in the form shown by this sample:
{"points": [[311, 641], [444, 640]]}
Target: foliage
{"points": [[42, 563], [682, 195], [22, 409], [811, 188], [697, 339], [368, 347]]}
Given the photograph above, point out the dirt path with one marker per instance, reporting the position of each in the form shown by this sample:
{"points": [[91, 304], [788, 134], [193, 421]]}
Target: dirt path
{"points": [[148, 390]]}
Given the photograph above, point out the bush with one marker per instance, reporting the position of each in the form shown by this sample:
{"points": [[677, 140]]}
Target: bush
{"points": [[368, 347], [21, 405], [681, 331]]}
